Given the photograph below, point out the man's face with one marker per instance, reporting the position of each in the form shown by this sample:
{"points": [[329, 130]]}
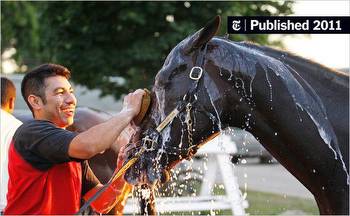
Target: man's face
{"points": [[60, 101]]}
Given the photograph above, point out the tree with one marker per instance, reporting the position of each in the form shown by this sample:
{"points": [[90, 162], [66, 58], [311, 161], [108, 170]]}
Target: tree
{"points": [[115, 46]]}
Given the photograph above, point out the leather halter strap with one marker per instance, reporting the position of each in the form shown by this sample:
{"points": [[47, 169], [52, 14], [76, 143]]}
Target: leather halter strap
{"points": [[152, 137]]}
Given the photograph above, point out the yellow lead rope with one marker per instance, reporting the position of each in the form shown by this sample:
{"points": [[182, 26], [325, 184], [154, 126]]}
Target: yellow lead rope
{"points": [[120, 172], [124, 168]]}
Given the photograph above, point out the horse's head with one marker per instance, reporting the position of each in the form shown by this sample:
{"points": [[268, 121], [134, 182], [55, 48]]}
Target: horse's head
{"points": [[184, 112], [208, 83]]}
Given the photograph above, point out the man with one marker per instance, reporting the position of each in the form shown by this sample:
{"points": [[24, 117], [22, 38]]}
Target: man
{"points": [[9, 125], [47, 166]]}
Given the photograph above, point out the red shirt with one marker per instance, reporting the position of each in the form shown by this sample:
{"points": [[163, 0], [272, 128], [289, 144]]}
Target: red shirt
{"points": [[56, 191], [43, 179]]}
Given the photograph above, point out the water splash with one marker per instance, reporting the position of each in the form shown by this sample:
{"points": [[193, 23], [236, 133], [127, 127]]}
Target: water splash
{"points": [[270, 85], [214, 96]]}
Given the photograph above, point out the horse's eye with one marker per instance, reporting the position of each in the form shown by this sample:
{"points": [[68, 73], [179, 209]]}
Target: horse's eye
{"points": [[174, 73], [167, 84], [177, 71]]}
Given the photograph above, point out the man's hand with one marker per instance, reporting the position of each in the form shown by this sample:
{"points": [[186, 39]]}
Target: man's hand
{"points": [[121, 157], [126, 136], [132, 102]]}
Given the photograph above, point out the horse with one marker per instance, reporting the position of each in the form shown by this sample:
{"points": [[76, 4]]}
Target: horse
{"points": [[103, 164], [296, 108]]}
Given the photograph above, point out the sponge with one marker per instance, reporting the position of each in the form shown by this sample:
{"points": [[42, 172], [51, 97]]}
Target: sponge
{"points": [[146, 102]]}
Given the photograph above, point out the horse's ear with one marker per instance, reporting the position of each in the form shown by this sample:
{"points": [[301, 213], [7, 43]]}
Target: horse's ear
{"points": [[202, 36]]}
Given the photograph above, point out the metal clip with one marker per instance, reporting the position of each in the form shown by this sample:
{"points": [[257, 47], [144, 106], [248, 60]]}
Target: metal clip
{"points": [[148, 143], [199, 73]]}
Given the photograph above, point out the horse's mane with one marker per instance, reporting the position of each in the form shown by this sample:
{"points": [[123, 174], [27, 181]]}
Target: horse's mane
{"points": [[293, 59]]}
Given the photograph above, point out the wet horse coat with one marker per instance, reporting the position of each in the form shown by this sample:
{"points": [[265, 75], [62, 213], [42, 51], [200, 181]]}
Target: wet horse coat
{"points": [[296, 108]]}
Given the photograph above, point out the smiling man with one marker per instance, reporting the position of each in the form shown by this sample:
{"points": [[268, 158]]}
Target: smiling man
{"points": [[48, 172]]}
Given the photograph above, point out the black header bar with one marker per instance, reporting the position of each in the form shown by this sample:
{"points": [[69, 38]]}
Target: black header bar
{"points": [[288, 25]]}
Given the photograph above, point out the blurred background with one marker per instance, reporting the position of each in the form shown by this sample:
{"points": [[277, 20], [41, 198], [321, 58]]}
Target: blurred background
{"points": [[115, 47]]}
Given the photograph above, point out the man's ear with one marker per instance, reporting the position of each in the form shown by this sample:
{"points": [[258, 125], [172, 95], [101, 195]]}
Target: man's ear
{"points": [[35, 102], [11, 104]]}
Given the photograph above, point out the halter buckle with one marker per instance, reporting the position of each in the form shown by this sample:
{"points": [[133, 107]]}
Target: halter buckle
{"points": [[148, 143], [196, 75]]}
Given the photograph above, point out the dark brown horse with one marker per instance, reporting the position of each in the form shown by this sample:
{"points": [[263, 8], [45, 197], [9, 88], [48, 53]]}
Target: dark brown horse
{"points": [[298, 109]]}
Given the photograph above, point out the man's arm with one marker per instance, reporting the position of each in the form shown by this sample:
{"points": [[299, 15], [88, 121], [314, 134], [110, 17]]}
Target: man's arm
{"points": [[102, 136]]}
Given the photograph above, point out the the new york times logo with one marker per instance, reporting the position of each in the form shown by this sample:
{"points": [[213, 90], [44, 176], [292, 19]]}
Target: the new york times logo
{"points": [[236, 25], [288, 25]]}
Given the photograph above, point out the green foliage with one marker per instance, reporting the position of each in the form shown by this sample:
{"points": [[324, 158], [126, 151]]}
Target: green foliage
{"points": [[263, 203], [20, 29], [100, 40]]}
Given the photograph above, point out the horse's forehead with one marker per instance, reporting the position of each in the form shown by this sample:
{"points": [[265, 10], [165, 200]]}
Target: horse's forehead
{"points": [[178, 50], [173, 60]]}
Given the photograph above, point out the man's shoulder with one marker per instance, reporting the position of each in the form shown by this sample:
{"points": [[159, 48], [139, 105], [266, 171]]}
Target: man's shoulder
{"points": [[35, 126]]}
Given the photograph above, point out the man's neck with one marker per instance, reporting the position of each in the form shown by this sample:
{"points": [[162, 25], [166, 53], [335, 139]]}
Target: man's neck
{"points": [[41, 118], [6, 109]]}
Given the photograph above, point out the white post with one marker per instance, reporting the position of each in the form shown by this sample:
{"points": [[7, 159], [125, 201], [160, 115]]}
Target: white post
{"points": [[233, 193], [209, 176]]}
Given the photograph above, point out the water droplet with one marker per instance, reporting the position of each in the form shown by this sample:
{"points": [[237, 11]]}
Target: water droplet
{"points": [[212, 212], [243, 161]]}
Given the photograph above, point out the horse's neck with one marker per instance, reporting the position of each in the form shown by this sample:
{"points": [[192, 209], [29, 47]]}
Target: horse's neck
{"points": [[331, 86], [277, 88], [291, 113], [284, 124]]}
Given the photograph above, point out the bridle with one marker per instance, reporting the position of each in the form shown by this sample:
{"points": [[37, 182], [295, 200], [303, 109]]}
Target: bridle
{"points": [[151, 140]]}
